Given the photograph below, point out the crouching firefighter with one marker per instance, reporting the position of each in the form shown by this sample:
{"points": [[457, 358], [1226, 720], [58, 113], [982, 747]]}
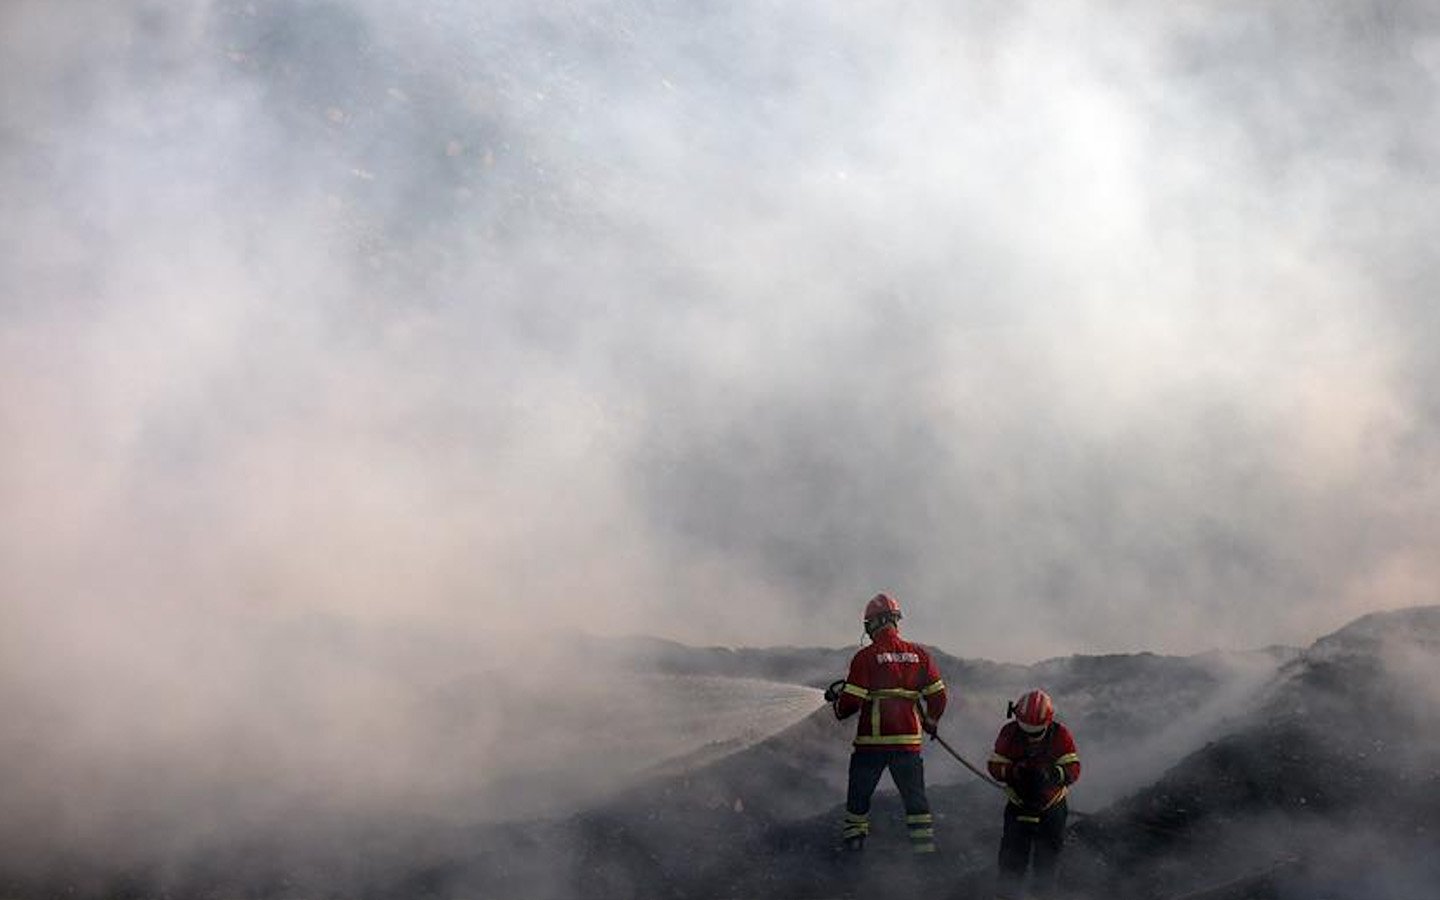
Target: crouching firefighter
{"points": [[890, 680], [1035, 759]]}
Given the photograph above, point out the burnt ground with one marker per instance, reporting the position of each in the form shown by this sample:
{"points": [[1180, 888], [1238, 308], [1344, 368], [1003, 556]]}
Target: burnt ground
{"points": [[1327, 787], [1331, 788]]}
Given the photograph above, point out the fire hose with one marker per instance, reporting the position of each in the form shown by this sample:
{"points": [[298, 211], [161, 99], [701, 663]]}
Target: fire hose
{"points": [[933, 731]]}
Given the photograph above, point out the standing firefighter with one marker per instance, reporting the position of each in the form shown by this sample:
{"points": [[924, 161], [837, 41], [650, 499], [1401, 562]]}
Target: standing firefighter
{"points": [[1035, 759], [889, 681]]}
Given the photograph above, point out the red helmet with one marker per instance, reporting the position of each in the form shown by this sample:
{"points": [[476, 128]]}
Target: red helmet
{"points": [[880, 605], [881, 611], [1033, 712]]}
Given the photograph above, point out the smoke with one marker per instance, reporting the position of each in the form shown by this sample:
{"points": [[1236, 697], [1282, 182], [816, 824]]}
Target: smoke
{"points": [[727, 320], [1080, 327]]}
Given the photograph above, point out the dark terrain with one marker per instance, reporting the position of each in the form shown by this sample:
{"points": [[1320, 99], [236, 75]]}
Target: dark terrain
{"points": [[1324, 783]]}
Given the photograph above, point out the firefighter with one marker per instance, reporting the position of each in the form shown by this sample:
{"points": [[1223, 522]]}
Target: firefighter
{"points": [[1035, 759], [896, 688]]}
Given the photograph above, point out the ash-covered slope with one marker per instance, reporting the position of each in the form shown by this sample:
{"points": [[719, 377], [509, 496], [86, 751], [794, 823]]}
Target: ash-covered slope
{"points": [[734, 813], [1316, 764], [1138, 713], [1329, 787], [762, 822], [1304, 764]]}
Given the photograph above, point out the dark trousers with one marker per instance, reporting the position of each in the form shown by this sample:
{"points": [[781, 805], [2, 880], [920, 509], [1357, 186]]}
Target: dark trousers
{"points": [[1031, 840], [907, 768]]}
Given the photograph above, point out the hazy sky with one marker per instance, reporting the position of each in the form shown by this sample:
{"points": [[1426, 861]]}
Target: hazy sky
{"points": [[1079, 326]]}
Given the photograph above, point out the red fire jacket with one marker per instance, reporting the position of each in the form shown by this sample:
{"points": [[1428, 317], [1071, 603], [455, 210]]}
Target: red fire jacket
{"points": [[1037, 772], [887, 681]]}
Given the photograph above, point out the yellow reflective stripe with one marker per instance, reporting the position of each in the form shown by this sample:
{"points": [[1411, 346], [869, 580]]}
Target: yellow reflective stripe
{"points": [[1032, 820], [855, 825], [855, 691], [894, 694], [1015, 798], [921, 819], [875, 697], [935, 688], [1067, 759], [1000, 758], [888, 739], [923, 848], [918, 834]]}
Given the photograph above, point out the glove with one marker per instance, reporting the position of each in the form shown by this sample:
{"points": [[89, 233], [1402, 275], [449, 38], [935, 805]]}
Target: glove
{"points": [[833, 691], [1027, 779], [1055, 776]]}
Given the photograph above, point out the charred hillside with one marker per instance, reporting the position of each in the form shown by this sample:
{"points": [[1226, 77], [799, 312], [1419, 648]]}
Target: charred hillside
{"points": [[1329, 760], [1336, 750], [1331, 783]]}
